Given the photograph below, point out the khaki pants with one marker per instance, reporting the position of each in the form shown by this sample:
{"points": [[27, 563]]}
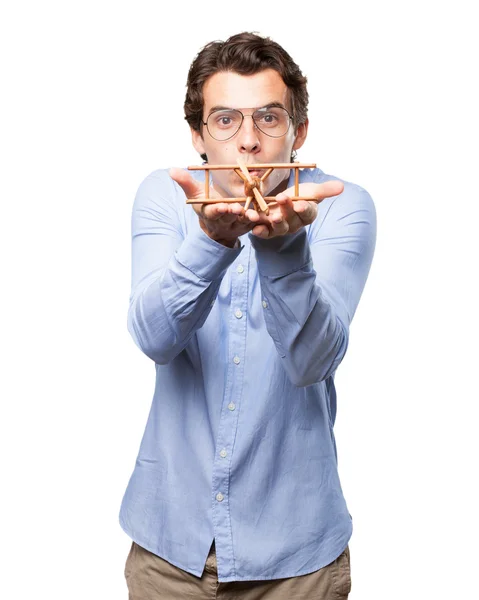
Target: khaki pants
{"points": [[149, 577]]}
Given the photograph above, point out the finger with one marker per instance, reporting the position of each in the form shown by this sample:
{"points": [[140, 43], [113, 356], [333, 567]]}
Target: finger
{"points": [[252, 215], [228, 211], [230, 218], [223, 211], [261, 231], [287, 221], [236, 209], [279, 226], [320, 191], [306, 211], [286, 205], [213, 212], [329, 189], [191, 187]]}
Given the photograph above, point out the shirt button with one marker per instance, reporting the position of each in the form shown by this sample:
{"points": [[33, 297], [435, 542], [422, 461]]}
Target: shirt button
{"points": [[231, 405], [240, 269], [236, 360], [220, 497], [238, 313], [265, 304], [223, 453]]}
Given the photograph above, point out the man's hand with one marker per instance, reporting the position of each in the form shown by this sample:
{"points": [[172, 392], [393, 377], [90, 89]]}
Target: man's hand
{"points": [[222, 222], [287, 216]]}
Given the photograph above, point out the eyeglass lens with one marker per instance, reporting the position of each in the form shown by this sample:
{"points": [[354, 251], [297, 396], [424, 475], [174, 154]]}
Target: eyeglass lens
{"points": [[223, 124]]}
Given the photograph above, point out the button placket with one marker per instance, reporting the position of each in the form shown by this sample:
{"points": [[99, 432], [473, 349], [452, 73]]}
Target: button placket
{"points": [[229, 417]]}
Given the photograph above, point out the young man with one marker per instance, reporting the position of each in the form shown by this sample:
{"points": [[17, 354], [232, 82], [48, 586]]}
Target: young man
{"points": [[235, 491]]}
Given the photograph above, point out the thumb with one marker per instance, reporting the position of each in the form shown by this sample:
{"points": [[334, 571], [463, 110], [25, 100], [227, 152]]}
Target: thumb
{"points": [[191, 187], [319, 191], [329, 189]]}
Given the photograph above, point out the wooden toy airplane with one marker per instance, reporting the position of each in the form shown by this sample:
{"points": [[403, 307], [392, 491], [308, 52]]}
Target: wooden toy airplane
{"points": [[253, 186]]}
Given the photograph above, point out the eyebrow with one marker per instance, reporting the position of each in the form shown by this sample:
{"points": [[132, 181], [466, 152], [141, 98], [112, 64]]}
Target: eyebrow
{"points": [[269, 105]]}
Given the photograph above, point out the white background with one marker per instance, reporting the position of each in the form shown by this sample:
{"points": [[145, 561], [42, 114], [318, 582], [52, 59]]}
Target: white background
{"points": [[92, 96]]}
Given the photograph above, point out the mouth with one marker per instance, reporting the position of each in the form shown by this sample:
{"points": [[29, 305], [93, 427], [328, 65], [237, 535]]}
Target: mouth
{"points": [[255, 172]]}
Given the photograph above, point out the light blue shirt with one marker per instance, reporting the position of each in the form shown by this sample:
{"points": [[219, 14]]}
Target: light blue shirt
{"points": [[239, 444]]}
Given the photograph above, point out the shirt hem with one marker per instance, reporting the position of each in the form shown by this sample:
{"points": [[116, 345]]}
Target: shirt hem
{"points": [[307, 571], [333, 556], [153, 550]]}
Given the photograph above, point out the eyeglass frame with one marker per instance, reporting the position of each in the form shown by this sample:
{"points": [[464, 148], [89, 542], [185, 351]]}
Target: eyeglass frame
{"points": [[272, 105]]}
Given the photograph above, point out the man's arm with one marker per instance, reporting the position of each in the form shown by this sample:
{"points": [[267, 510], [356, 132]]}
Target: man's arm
{"points": [[312, 283], [175, 279]]}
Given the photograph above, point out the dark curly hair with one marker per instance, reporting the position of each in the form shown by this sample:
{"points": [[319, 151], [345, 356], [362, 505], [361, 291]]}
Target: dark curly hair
{"points": [[244, 53]]}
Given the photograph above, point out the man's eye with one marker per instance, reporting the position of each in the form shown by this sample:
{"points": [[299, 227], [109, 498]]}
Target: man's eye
{"points": [[224, 121], [269, 118]]}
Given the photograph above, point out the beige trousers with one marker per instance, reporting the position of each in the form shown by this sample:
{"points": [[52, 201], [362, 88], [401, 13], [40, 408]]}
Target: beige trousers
{"points": [[149, 577]]}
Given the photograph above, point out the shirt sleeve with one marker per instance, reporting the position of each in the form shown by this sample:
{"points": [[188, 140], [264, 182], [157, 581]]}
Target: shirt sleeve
{"points": [[175, 276], [312, 281]]}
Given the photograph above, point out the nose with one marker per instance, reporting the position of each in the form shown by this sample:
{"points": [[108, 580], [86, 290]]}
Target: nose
{"points": [[248, 136]]}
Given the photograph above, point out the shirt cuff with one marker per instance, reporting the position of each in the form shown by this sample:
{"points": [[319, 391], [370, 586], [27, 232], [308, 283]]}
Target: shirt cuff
{"points": [[282, 255], [204, 257]]}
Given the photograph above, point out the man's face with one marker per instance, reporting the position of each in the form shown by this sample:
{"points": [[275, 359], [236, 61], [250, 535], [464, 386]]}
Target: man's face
{"points": [[247, 93]]}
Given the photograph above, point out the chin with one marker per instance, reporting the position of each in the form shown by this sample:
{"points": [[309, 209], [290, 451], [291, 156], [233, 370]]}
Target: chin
{"points": [[237, 192], [234, 190]]}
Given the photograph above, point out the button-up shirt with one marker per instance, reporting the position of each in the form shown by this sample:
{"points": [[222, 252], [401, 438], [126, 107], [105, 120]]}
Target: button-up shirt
{"points": [[239, 444]]}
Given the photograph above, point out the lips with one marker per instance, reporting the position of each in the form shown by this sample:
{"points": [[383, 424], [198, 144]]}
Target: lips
{"points": [[256, 172]]}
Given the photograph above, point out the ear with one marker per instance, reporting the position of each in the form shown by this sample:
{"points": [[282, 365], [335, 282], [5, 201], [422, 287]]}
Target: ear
{"points": [[301, 135], [198, 142]]}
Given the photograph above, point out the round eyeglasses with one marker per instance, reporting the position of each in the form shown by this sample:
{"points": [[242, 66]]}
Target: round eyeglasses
{"points": [[223, 124]]}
